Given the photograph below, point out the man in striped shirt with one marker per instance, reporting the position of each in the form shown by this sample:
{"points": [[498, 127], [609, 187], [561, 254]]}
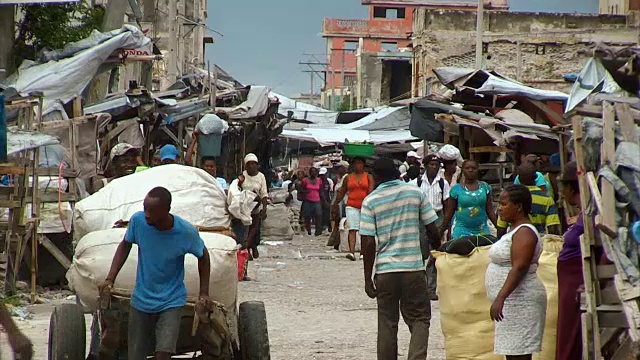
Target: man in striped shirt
{"points": [[392, 213], [544, 215]]}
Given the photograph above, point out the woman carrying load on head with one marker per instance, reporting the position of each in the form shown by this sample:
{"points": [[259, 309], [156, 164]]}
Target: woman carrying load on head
{"points": [[471, 202], [356, 186]]}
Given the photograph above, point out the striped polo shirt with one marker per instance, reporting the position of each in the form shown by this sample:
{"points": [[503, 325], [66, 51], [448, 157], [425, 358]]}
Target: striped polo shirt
{"points": [[392, 213], [543, 211]]}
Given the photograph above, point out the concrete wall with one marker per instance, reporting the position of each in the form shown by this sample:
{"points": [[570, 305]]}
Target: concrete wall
{"points": [[537, 49], [370, 78]]}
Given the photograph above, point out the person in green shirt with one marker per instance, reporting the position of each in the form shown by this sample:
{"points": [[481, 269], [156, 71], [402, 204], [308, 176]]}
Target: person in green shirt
{"points": [[544, 214]]}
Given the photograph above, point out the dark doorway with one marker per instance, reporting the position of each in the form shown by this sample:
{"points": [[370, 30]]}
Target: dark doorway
{"points": [[397, 79]]}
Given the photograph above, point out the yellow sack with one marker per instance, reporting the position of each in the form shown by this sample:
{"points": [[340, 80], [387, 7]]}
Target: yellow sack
{"points": [[464, 307], [548, 274]]}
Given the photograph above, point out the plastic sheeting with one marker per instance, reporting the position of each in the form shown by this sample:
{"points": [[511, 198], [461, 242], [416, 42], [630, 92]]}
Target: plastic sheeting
{"points": [[386, 118], [492, 83], [331, 136], [593, 78], [197, 198], [65, 78], [18, 140], [256, 104], [94, 253]]}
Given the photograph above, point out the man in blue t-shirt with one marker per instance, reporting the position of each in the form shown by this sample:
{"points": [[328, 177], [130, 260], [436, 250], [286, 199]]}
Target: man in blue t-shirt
{"points": [[159, 295]]}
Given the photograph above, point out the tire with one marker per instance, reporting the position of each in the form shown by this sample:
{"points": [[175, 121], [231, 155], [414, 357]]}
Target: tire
{"points": [[67, 333], [253, 333]]}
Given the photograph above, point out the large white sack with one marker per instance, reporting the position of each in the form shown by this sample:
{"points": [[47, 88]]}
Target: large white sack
{"points": [[94, 253], [344, 237], [276, 227], [197, 198]]}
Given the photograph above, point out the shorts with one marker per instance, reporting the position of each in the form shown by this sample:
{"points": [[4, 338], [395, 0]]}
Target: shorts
{"points": [[311, 209], [353, 218], [147, 329]]}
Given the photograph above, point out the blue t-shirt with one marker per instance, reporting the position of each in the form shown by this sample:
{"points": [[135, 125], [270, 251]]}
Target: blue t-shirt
{"points": [[160, 278], [471, 213]]}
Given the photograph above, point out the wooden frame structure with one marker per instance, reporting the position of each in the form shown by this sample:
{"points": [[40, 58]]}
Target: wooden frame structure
{"points": [[21, 234], [611, 313]]}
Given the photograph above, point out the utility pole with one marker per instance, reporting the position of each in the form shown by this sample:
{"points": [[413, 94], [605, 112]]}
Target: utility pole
{"points": [[479, 33], [149, 15], [172, 60], [311, 89], [314, 72], [342, 78], [7, 37]]}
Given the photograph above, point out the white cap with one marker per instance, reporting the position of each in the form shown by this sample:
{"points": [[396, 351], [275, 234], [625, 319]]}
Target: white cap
{"points": [[120, 149], [250, 157], [413, 154], [323, 171]]}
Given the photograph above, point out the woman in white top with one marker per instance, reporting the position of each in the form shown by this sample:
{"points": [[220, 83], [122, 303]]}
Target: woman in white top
{"points": [[519, 297]]}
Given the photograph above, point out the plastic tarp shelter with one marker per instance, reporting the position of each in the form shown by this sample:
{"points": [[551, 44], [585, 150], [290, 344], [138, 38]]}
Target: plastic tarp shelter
{"points": [[304, 112], [66, 77], [256, 104], [492, 83], [385, 118], [328, 137]]}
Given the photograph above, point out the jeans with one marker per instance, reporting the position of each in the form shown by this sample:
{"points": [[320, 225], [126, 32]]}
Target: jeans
{"points": [[151, 333], [406, 293]]}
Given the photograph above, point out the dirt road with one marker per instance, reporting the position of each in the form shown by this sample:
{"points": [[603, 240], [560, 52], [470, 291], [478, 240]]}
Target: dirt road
{"points": [[315, 301]]}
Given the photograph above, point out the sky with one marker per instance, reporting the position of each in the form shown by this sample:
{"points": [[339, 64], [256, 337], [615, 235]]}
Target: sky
{"points": [[264, 40]]}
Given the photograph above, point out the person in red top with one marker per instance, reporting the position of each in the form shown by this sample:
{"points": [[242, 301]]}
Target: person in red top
{"points": [[356, 186], [312, 203]]}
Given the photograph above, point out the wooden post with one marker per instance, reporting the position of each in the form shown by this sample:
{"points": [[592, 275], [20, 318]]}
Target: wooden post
{"points": [[591, 339]]}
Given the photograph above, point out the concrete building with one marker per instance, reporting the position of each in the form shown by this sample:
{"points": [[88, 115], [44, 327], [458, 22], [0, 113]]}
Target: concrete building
{"points": [[537, 49], [618, 7], [388, 30], [383, 77]]}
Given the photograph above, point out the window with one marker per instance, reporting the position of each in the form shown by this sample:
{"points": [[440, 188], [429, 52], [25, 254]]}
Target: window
{"points": [[350, 45], [389, 13], [389, 46], [379, 12]]}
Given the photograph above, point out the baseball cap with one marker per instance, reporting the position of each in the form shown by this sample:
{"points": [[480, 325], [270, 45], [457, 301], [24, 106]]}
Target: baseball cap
{"points": [[570, 172], [413, 154], [168, 152], [120, 149], [323, 171], [249, 158], [431, 157]]}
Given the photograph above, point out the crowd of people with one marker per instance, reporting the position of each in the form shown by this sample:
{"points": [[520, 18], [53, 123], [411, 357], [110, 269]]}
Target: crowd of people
{"points": [[404, 211], [401, 212]]}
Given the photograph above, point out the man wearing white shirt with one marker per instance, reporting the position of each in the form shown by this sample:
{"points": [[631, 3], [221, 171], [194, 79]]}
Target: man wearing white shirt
{"points": [[436, 190]]}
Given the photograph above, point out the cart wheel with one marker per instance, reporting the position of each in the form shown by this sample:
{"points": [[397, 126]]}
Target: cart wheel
{"points": [[252, 328], [67, 333]]}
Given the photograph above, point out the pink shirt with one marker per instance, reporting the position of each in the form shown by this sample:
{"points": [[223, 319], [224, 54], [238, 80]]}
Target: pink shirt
{"points": [[312, 190]]}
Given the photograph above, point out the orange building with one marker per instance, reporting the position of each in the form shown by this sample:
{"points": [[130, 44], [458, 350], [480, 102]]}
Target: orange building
{"points": [[388, 29]]}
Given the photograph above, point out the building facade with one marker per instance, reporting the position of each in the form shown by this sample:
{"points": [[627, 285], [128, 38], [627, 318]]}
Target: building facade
{"points": [[618, 7], [538, 49], [387, 30]]}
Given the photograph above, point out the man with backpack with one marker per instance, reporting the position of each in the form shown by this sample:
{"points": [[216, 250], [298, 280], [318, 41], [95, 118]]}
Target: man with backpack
{"points": [[436, 189]]}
